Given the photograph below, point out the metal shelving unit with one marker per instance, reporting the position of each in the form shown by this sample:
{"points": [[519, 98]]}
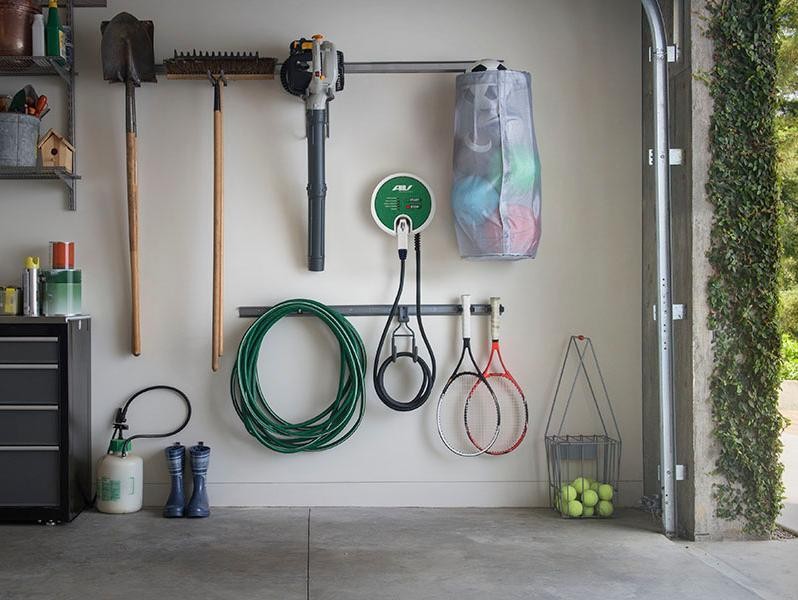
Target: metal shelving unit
{"points": [[52, 66]]}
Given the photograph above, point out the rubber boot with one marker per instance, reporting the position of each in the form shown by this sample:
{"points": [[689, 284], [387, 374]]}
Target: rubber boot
{"points": [[175, 462], [198, 506]]}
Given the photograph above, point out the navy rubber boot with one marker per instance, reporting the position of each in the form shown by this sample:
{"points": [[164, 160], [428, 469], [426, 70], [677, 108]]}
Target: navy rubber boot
{"points": [[175, 463], [198, 506]]}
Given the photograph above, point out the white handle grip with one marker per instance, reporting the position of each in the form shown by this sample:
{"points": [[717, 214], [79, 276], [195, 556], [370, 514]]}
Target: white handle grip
{"points": [[495, 314], [465, 299]]}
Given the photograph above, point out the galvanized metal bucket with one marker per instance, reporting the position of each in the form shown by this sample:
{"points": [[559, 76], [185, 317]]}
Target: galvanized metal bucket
{"points": [[19, 137]]}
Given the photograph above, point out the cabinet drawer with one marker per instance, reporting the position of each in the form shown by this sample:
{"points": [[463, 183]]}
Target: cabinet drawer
{"points": [[29, 476], [23, 426], [22, 350], [29, 384]]}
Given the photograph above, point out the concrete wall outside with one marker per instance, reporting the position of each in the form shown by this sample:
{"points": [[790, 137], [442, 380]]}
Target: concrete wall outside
{"points": [[585, 61]]}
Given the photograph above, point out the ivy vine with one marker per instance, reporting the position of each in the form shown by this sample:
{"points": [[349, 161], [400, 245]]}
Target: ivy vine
{"points": [[744, 253]]}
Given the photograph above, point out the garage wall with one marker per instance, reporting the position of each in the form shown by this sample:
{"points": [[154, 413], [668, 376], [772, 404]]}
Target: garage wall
{"points": [[585, 60]]}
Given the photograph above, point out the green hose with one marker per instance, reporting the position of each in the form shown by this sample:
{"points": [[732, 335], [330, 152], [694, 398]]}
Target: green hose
{"points": [[330, 427]]}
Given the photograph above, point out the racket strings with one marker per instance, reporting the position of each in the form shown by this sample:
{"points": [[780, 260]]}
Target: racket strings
{"points": [[514, 416], [468, 398]]}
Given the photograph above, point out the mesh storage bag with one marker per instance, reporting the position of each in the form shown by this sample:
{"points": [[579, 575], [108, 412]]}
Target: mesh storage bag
{"points": [[496, 184]]}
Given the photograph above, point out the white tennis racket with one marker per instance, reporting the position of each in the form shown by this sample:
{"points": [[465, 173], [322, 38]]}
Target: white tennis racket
{"points": [[467, 397]]}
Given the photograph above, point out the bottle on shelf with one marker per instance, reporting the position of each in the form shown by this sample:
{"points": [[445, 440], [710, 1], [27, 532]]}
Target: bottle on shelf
{"points": [[30, 287], [38, 35], [56, 40]]}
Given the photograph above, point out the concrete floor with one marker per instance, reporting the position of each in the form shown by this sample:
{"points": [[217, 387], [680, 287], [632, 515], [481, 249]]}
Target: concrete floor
{"points": [[354, 553]]}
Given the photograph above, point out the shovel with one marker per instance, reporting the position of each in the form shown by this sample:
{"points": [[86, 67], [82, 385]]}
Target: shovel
{"points": [[128, 57]]}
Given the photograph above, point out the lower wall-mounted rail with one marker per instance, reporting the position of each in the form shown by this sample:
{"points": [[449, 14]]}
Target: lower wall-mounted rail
{"points": [[380, 310]]}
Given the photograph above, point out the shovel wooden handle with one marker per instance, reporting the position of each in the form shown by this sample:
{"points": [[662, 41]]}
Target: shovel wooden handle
{"points": [[217, 342], [133, 220]]}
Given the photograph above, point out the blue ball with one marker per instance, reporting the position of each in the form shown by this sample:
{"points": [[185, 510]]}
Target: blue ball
{"points": [[474, 200]]}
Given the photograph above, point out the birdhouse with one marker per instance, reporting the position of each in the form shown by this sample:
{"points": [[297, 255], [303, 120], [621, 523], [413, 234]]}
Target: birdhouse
{"points": [[56, 151]]}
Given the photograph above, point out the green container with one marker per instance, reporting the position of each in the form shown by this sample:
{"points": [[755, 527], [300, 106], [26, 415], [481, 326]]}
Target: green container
{"points": [[61, 294]]}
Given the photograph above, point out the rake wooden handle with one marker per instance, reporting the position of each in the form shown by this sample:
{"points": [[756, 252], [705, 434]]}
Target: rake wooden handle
{"points": [[218, 233], [133, 215]]}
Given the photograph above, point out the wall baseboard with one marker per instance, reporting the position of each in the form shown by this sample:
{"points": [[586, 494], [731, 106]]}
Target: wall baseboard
{"points": [[497, 494]]}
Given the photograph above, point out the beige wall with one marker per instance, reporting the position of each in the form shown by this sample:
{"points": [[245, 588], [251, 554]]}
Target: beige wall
{"points": [[585, 60]]}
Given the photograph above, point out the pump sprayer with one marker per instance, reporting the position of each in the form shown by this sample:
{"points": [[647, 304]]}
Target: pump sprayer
{"points": [[120, 473]]}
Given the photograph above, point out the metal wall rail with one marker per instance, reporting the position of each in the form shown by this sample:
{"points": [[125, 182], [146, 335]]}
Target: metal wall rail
{"points": [[381, 310], [659, 61], [350, 68]]}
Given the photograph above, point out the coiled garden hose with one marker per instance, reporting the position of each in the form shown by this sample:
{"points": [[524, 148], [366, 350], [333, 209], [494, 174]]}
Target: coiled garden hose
{"points": [[334, 424], [428, 371]]}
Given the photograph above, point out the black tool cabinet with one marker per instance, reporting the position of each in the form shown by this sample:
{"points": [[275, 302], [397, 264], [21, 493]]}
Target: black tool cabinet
{"points": [[45, 418]]}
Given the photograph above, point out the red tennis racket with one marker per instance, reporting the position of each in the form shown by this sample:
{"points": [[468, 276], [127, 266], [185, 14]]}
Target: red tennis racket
{"points": [[512, 402]]}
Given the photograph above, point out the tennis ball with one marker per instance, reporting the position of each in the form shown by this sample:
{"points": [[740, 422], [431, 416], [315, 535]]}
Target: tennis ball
{"points": [[595, 486], [605, 491], [588, 511], [580, 484], [568, 493], [590, 498], [605, 508], [575, 508]]}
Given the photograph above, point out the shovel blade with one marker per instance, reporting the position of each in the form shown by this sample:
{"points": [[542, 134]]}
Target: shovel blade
{"points": [[127, 50]]}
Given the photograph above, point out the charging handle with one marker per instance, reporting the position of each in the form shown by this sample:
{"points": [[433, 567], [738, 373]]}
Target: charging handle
{"points": [[402, 236]]}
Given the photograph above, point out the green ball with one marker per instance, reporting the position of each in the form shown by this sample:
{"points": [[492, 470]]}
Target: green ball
{"points": [[605, 508], [588, 511], [590, 498], [568, 493], [575, 508], [522, 169], [580, 484], [605, 491], [595, 486]]}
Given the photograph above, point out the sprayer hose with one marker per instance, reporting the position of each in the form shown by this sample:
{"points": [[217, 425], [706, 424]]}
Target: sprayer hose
{"points": [[330, 427]]}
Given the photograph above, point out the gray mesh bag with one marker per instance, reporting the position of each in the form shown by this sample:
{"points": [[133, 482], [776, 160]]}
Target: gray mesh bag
{"points": [[496, 185]]}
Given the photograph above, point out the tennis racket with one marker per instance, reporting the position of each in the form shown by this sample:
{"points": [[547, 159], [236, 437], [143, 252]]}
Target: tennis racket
{"points": [[468, 397], [512, 403]]}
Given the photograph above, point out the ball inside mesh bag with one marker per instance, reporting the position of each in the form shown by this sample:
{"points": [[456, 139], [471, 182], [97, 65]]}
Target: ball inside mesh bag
{"points": [[518, 234], [483, 164], [523, 170], [474, 201]]}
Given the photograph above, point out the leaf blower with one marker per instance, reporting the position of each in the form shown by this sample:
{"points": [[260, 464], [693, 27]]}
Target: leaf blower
{"points": [[314, 71]]}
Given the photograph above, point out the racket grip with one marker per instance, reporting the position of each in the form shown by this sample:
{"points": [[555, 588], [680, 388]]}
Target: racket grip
{"points": [[465, 299], [495, 314]]}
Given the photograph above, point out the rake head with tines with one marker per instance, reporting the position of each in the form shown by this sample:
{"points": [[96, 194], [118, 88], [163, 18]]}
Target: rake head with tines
{"points": [[234, 65]]}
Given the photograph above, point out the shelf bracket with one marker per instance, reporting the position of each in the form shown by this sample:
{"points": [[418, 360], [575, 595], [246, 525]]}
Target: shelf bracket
{"points": [[63, 72]]}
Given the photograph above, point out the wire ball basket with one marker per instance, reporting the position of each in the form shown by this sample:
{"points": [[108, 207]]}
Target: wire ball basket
{"points": [[583, 468]]}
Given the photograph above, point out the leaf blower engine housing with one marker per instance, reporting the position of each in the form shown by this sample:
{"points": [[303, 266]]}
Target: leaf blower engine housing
{"points": [[314, 71]]}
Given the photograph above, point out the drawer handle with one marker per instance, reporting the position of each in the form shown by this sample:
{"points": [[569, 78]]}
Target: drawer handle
{"points": [[28, 448], [42, 367], [29, 407], [28, 339]]}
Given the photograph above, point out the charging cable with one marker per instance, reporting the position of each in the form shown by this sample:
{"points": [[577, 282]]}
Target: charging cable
{"points": [[404, 331]]}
